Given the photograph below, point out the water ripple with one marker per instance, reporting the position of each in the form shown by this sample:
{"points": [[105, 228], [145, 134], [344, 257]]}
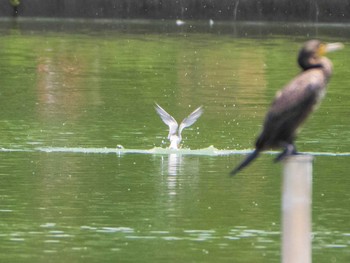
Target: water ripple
{"points": [[208, 151]]}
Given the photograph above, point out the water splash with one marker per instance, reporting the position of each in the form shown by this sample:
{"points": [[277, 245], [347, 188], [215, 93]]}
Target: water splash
{"points": [[209, 151], [120, 150]]}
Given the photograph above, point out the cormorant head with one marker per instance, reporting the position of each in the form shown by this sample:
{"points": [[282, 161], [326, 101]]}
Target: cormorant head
{"points": [[311, 53]]}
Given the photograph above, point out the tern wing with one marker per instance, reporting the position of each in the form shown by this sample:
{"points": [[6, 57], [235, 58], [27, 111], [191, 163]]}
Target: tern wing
{"points": [[190, 119], [167, 119]]}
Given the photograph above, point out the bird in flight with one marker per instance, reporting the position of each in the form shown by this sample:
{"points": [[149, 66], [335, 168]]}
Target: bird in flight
{"points": [[174, 129]]}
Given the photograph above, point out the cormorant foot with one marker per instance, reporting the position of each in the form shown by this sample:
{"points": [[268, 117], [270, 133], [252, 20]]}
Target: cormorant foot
{"points": [[288, 151]]}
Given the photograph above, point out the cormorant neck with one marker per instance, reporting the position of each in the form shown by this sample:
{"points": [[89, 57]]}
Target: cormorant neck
{"points": [[307, 61], [322, 63], [312, 66], [327, 66]]}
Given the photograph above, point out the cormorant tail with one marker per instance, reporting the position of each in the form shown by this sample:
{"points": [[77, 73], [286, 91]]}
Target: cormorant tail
{"points": [[247, 160]]}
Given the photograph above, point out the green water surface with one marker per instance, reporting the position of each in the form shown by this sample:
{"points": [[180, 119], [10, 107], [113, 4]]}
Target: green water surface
{"points": [[79, 84]]}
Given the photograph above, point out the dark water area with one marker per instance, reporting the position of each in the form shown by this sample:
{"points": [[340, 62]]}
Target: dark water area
{"points": [[236, 10], [85, 171]]}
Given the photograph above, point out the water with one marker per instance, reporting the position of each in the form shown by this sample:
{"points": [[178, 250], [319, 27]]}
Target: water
{"points": [[85, 172]]}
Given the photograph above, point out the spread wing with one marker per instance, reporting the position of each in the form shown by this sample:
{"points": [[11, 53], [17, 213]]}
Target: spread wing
{"points": [[192, 118], [167, 119]]}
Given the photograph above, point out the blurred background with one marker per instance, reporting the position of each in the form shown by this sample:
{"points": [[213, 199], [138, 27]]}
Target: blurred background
{"points": [[236, 10]]}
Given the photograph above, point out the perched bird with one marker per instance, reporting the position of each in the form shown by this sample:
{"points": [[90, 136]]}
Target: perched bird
{"points": [[174, 133], [295, 102]]}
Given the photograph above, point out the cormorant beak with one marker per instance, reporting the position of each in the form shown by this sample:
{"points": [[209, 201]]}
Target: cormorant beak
{"points": [[330, 47]]}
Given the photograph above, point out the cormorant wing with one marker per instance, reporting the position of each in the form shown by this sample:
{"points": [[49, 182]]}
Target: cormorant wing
{"points": [[301, 92], [291, 107], [190, 119], [167, 119]]}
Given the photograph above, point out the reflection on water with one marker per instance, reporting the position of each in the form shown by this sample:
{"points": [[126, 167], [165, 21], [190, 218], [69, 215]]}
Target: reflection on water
{"points": [[173, 163], [84, 172]]}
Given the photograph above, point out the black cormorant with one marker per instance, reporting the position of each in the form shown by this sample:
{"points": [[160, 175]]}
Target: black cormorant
{"points": [[294, 103]]}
